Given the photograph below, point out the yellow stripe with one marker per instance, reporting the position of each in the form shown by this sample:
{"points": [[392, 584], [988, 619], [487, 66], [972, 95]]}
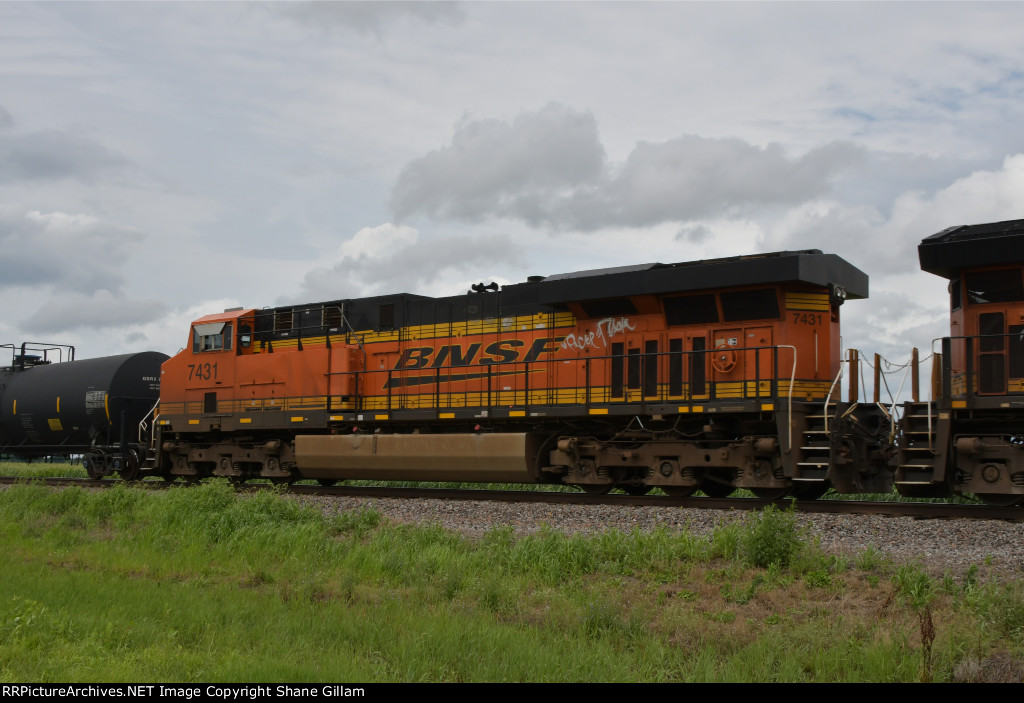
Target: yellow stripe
{"points": [[440, 330], [106, 406], [449, 401], [298, 418], [517, 413], [58, 405], [245, 420], [598, 411], [807, 301], [447, 416]]}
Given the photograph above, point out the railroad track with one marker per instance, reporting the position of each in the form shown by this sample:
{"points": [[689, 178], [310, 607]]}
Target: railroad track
{"points": [[823, 506]]}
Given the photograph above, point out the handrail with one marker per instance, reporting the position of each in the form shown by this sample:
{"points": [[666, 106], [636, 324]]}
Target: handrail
{"points": [[828, 396], [789, 396], [143, 426]]}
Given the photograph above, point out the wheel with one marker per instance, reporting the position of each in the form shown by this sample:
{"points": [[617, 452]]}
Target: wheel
{"points": [[130, 464], [636, 490], [595, 489], [91, 467], [169, 478], [281, 480], [809, 491], [237, 480], [679, 491], [327, 482], [713, 489], [1000, 500], [771, 493]]}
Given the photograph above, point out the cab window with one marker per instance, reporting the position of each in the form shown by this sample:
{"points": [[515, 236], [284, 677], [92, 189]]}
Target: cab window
{"points": [[211, 336], [1003, 286]]}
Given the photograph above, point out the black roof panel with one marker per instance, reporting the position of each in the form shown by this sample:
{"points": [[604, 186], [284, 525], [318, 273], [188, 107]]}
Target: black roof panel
{"points": [[955, 249], [808, 266]]}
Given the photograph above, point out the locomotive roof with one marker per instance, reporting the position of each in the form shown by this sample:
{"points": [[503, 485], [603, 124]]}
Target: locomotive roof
{"points": [[554, 292], [808, 266], [955, 249]]}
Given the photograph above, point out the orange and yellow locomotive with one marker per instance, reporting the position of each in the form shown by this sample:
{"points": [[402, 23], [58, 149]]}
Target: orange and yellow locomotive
{"points": [[715, 374]]}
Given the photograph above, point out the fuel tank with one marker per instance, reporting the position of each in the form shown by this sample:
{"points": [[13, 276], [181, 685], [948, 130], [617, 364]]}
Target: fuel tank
{"points": [[61, 408]]}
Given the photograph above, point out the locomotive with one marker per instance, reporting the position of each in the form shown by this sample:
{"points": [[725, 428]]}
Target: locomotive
{"points": [[710, 375], [704, 375], [970, 437]]}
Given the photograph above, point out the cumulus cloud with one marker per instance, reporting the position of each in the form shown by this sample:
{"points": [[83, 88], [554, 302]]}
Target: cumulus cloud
{"points": [[524, 169], [78, 252], [548, 168], [396, 259], [370, 17], [98, 310], [886, 244]]}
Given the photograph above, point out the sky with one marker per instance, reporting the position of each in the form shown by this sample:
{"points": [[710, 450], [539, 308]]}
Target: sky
{"points": [[163, 161]]}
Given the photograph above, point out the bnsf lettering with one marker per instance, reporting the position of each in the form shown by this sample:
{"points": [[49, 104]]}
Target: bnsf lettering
{"points": [[503, 352], [506, 351], [456, 355], [414, 358], [542, 345]]}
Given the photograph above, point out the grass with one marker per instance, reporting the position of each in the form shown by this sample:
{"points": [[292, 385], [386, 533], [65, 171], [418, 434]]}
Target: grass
{"points": [[200, 584]]}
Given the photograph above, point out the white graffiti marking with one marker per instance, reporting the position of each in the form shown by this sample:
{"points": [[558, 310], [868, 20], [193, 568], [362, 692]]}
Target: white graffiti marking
{"points": [[599, 336]]}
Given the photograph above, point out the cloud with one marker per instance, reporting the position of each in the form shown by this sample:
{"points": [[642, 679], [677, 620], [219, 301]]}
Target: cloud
{"points": [[696, 233], [497, 169], [887, 244], [396, 259], [6, 119], [370, 17], [52, 155], [76, 252], [548, 168], [98, 310]]}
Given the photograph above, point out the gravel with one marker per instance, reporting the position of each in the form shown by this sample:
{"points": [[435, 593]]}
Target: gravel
{"points": [[939, 546]]}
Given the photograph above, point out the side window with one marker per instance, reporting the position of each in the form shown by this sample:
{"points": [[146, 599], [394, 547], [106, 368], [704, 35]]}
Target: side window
{"points": [[691, 310], [211, 336], [757, 304], [1003, 286]]}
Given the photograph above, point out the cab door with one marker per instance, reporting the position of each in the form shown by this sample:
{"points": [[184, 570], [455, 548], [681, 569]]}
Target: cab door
{"points": [[991, 353], [999, 353]]}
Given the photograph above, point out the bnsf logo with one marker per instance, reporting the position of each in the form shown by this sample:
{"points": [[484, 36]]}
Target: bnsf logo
{"points": [[506, 351]]}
